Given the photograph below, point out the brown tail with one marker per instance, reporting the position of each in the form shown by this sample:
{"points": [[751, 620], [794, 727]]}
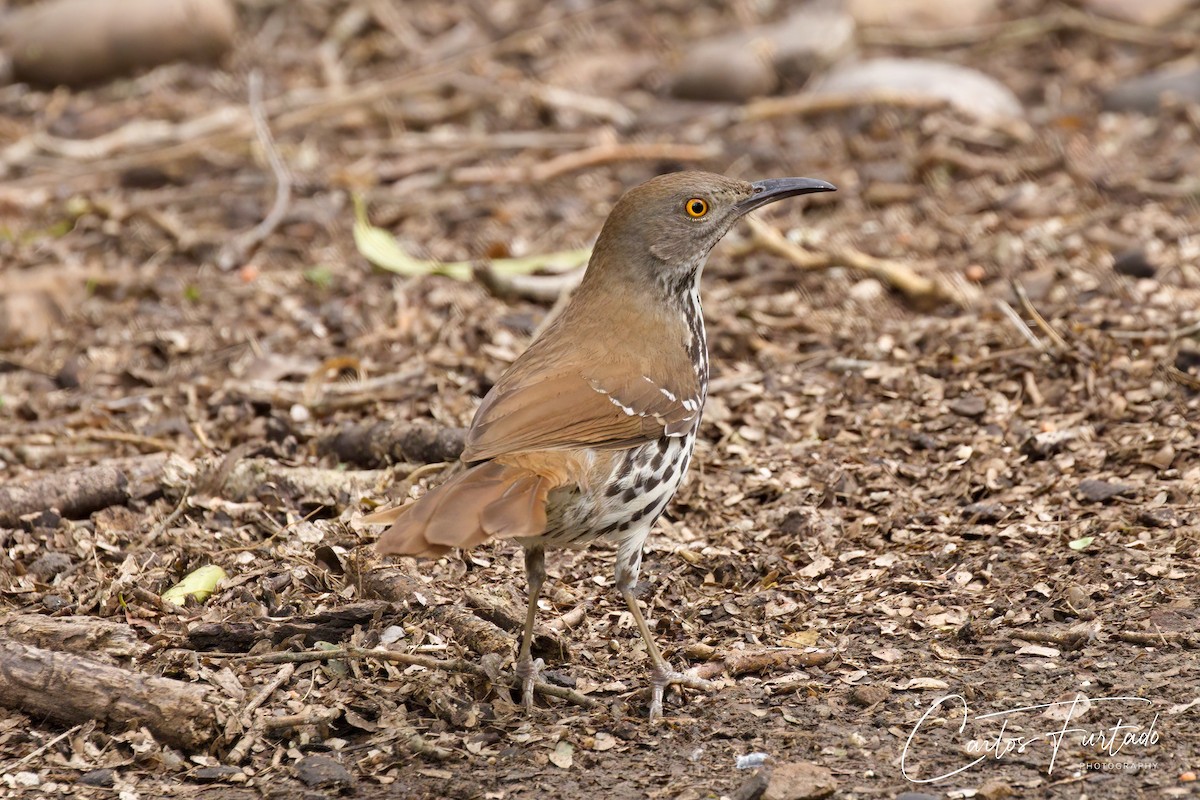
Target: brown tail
{"points": [[488, 500]]}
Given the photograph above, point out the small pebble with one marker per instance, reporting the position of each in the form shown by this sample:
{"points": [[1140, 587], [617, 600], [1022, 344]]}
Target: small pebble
{"points": [[48, 565], [1096, 491], [99, 777], [1134, 264], [971, 405]]}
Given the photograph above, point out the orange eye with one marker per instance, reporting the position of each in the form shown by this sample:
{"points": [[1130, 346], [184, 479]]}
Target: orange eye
{"points": [[696, 207]]}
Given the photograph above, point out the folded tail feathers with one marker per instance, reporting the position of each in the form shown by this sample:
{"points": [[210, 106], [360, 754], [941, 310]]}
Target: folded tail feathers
{"points": [[488, 500]]}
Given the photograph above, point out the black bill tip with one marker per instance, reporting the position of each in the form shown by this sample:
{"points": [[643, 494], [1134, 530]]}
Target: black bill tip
{"points": [[773, 189]]}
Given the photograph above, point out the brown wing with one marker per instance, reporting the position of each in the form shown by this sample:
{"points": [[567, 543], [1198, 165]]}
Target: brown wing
{"points": [[610, 405]]}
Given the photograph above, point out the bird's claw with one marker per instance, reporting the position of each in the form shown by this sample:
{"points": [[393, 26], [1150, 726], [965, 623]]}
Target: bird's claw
{"points": [[527, 671], [661, 678]]}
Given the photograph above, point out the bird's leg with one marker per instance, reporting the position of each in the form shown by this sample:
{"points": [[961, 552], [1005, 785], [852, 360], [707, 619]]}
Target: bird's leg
{"points": [[661, 674], [526, 668]]}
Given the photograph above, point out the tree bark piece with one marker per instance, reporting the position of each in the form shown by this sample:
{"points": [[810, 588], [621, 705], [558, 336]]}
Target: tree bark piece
{"points": [[379, 580], [478, 634], [84, 635], [382, 443], [75, 494], [69, 690], [333, 625], [502, 613]]}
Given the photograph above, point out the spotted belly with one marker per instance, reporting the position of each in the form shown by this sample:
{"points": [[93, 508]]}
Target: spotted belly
{"points": [[626, 505]]}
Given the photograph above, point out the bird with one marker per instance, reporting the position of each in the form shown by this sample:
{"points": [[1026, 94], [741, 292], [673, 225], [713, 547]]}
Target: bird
{"points": [[588, 434]]}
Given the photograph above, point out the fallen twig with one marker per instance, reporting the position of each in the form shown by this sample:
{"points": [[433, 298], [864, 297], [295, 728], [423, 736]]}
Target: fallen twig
{"points": [[242, 749], [923, 291], [1060, 344], [239, 248], [1159, 638], [1012, 316], [1026, 29], [593, 156]]}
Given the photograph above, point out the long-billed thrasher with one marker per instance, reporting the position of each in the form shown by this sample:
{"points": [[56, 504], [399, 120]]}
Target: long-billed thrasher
{"points": [[588, 434]]}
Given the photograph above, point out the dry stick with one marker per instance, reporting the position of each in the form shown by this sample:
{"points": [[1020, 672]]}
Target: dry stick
{"points": [[1026, 29], [316, 716], [898, 276], [800, 105], [145, 443], [237, 250], [170, 519], [1147, 335], [242, 749], [583, 159], [1012, 316], [459, 665], [1156, 638], [1059, 343], [47, 746]]}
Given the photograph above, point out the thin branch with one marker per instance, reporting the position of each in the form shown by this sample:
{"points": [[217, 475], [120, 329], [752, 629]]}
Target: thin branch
{"points": [[1027, 305], [236, 251], [1011, 314], [901, 277]]}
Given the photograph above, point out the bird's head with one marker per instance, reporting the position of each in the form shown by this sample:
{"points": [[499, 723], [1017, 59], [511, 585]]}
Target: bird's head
{"points": [[664, 228]]}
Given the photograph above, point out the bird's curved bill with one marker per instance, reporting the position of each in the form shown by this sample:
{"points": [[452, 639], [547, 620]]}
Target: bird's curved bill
{"points": [[773, 189]]}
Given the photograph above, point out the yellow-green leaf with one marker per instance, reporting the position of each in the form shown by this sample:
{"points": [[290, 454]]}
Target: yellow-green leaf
{"points": [[381, 249], [199, 583], [1082, 543]]}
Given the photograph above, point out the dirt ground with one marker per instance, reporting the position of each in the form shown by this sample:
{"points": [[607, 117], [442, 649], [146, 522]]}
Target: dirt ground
{"points": [[989, 493]]}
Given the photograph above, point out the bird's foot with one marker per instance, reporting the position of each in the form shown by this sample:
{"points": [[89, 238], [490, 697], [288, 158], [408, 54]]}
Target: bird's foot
{"points": [[527, 671], [661, 678]]}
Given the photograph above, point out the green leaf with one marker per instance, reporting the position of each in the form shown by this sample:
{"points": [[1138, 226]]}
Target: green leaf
{"points": [[1082, 543], [199, 583], [320, 276]]}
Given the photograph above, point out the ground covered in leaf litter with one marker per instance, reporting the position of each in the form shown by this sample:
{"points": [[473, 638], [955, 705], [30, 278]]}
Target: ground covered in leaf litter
{"points": [[893, 500]]}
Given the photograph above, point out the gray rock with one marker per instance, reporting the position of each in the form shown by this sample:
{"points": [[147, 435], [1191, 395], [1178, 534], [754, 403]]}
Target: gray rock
{"points": [[1151, 13], [751, 63], [99, 777], [924, 14], [966, 89], [1144, 93], [971, 405], [47, 565], [1096, 491]]}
